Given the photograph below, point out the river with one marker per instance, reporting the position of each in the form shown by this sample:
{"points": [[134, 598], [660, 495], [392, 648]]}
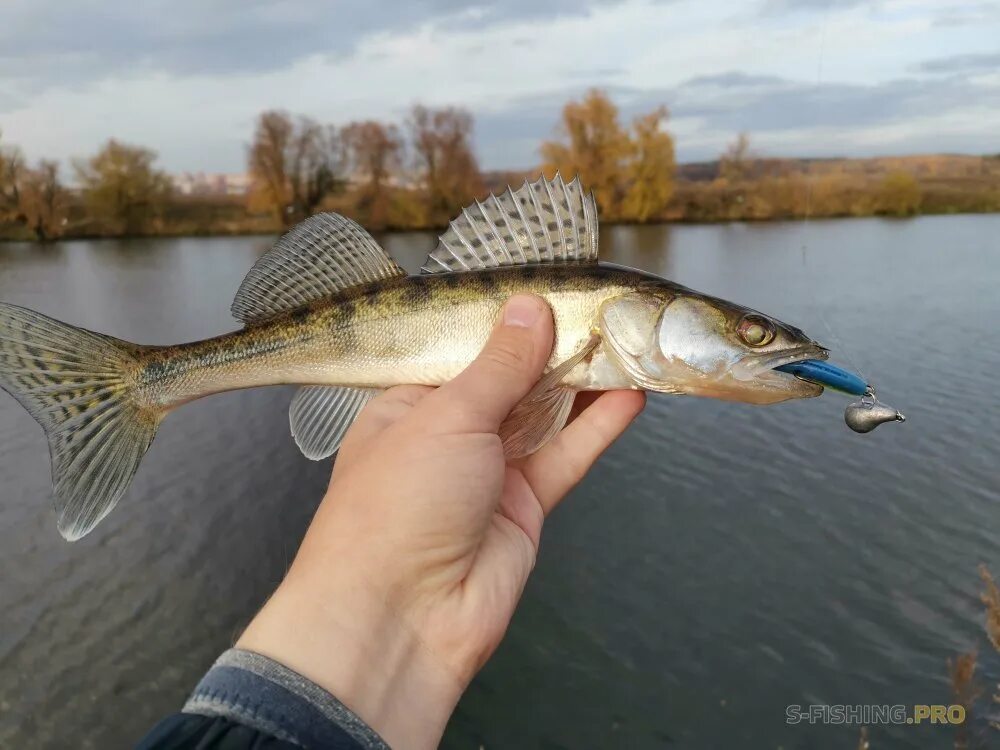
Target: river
{"points": [[721, 562]]}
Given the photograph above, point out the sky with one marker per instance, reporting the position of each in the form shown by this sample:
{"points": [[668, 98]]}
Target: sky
{"points": [[802, 77]]}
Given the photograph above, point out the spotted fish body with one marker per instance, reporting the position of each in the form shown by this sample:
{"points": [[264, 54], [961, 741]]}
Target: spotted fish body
{"points": [[326, 308], [407, 330]]}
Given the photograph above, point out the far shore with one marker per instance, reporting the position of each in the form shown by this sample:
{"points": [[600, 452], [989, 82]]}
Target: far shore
{"points": [[13, 238], [761, 190]]}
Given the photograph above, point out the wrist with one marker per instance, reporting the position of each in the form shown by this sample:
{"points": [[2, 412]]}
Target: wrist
{"points": [[351, 643]]}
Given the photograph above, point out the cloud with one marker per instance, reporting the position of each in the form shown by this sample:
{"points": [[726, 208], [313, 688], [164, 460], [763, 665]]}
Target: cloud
{"points": [[68, 42], [782, 7], [782, 104], [791, 117], [968, 14], [188, 77], [733, 80], [971, 63]]}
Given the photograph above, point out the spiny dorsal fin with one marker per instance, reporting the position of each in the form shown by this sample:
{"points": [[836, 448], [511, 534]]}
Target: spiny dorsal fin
{"points": [[323, 255], [547, 221]]}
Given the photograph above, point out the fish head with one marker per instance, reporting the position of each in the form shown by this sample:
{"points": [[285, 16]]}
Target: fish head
{"points": [[672, 339]]}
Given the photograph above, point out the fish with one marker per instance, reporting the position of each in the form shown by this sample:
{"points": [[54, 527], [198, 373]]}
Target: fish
{"points": [[329, 310]]}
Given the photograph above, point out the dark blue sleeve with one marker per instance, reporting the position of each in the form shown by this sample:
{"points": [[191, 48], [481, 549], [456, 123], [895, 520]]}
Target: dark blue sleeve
{"points": [[196, 732], [247, 701]]}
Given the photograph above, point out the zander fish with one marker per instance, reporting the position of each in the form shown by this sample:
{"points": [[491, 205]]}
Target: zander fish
{"points": [[327, 308]]}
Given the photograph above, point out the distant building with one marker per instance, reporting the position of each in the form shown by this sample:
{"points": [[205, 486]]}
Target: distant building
{"points": [[358, 178], [200, 183]]}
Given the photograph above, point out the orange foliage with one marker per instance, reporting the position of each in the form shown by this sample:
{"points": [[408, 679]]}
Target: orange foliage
{"points": [[595, 147], [447, 169]]}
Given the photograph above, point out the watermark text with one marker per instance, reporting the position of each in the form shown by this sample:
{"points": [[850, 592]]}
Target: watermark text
{"points": [[871, 714]]}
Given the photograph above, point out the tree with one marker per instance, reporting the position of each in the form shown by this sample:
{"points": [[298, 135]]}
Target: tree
{"points": [[651, 170], [446, 164], [899, 194], [270, 189], [293, 165], [12, 171], [374, 152], [736, 163], [121, 187], [44, 201], [594, 146]]}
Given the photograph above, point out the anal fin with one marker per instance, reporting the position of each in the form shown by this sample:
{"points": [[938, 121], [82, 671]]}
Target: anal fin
{"points": [[543, 412], [321, 415]]}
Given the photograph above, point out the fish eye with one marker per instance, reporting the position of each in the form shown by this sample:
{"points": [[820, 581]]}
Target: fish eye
{"points": [[755, 330]]}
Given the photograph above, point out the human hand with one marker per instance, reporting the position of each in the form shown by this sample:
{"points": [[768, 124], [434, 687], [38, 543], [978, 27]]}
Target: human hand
{"points": [[410, 572]]}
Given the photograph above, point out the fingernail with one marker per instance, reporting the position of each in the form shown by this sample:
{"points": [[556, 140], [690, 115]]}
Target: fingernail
{"points": [[522, 311]]}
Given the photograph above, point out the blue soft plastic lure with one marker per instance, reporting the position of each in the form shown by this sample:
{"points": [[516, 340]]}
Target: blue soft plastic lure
{"points": [[823, 373], [861, 416]]}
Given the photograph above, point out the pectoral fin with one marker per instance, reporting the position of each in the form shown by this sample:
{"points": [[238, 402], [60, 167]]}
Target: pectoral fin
{"points": [[544, 411]]}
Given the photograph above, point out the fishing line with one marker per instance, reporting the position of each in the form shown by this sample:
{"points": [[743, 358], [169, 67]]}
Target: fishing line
{"points": [[868, 413], [816, 303]]}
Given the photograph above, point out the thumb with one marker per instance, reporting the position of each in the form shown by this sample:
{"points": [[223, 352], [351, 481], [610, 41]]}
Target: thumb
{"points": [[481, 397]]}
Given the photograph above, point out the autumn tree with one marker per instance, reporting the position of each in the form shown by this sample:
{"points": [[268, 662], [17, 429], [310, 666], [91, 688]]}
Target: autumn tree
{"points": [[44, 200], [651, 168], [445, 162], [736, 162], [594, 146], [12, 172], [121, 187], [293, 165], [266, 161], [374, 153], [899, 194], [32, 197]]}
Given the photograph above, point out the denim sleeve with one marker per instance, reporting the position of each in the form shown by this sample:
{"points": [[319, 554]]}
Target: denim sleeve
{"points": [[248, 691]]}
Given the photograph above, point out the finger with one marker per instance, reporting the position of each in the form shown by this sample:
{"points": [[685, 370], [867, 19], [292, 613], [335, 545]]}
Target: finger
{"points": [[483, 394], [556, 468], [379, 413], [583, 400]]}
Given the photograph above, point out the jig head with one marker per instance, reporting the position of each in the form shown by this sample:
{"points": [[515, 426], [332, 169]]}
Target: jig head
{"points": [[868, 413]]}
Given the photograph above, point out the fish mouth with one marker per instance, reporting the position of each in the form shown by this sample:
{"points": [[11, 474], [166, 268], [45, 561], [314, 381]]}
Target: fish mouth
{"points": [[802, 353], [760, 368], [761, 364]]}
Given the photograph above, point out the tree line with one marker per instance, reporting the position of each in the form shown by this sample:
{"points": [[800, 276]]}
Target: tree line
{"points": [[119, 186], [420, 173], [415, 176]]}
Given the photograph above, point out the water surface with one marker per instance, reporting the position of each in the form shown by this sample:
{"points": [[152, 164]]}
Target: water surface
{"points": [[721, 562]]}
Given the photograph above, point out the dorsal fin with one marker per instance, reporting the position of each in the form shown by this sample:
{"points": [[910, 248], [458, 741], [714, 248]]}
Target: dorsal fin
{"points": [[547, 221], [323, 255]]}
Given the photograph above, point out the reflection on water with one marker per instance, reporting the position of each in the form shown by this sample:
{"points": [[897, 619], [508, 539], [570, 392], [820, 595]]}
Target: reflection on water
{"points": [[645, 247], [722, 562]]}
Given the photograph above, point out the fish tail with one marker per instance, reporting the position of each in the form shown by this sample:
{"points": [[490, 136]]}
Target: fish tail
{"points": [[82, 389]]}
